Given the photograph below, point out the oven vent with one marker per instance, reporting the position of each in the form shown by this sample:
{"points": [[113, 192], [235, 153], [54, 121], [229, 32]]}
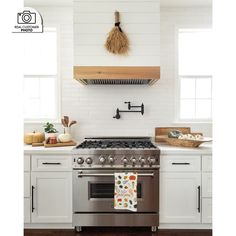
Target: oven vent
{"points": [[101, 75], [117, 81]]}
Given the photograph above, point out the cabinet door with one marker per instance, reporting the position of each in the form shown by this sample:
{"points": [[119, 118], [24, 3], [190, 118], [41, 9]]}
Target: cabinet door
{"points": [[52, 197], [180, 197]]}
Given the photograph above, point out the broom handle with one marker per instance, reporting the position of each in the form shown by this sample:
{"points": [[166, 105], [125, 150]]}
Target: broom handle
{"points": [[117, 17]]}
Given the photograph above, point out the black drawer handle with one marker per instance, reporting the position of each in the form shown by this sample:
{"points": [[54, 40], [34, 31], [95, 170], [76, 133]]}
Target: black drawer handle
{"points": [[51, 163], [32, 200], [199, 198], [180, 163]]}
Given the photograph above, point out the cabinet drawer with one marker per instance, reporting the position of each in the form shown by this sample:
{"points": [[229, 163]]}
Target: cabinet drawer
{"points": [[206, 184], [207, 163], [177, 163], [26, 210], [26, 184], [51, 163], [207, 210], [26, 162]]}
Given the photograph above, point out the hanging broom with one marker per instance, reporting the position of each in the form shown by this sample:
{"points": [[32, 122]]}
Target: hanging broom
{"points": [[117, 42]]}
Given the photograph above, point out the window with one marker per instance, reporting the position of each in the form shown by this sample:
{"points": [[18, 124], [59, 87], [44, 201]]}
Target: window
{"points": [[40, 76], [195, 74]]}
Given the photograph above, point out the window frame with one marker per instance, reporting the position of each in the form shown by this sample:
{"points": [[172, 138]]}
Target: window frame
{"points": [[57, 76], [177, 84]]}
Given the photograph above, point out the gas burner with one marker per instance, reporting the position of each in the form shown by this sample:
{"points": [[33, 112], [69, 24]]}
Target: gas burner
{"points": [[117, 143], [116, 152]]}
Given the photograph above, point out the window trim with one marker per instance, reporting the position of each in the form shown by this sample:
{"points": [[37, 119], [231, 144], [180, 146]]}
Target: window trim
{"points": [[58, 82], [177, 76]]}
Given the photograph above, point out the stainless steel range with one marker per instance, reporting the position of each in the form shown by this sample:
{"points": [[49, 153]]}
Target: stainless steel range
{"points": [[94, 163]]}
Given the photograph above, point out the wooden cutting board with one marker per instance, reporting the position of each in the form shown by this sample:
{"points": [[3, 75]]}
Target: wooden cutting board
{"points": [[37, 144], [71, 143]]}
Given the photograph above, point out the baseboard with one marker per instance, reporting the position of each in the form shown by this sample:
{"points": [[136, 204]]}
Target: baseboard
{"points": [[185, 226], [161, 226], [48, 226]]}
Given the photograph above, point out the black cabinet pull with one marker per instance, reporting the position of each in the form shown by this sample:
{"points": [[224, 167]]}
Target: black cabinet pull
{"points": [[32, 200], [180, 163], [51, 163], [199, 198]]}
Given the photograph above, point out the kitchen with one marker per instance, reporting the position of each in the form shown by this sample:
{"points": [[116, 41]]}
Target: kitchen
{"points": [[81, 84]]}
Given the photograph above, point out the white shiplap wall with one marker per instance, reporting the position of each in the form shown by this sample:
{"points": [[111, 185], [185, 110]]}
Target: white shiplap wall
{"points": [[94, 19], [94, 106]]}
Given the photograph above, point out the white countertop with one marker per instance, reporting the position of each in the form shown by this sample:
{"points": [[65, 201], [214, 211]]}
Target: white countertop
{"points": [[165, 149], [28, 149], [203, 149]]}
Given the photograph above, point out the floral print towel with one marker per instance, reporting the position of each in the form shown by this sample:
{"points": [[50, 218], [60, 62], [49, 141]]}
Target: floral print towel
{"points": [[125, 195]]}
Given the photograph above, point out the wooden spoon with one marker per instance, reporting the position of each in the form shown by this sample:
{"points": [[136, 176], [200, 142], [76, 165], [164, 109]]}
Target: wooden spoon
{"points": [[72, 123], [66, 119], [63, 122]]}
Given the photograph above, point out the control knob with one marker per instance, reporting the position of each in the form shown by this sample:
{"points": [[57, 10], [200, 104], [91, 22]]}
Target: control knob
{"points": [[142, 160], [102, 159], [111, 160], [151, 161], [80, 160], [89, 160], [133, 160], [125, 161]]}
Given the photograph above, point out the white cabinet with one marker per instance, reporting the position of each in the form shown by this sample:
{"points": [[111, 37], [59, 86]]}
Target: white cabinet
{"points": [[178, 163], [207, 163], [27, 184], [179, 197], [51, 163], [207, 210], [206, 189], [26, 162], [26, 188], [207, 184], [26, 210], [52, 197]]}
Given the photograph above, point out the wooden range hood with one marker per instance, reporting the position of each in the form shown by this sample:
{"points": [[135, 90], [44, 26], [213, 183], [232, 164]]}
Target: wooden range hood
{"points": [[117, 75]]}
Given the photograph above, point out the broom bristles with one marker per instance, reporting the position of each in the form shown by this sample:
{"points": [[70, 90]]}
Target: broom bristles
{"points": [[117, 42]]}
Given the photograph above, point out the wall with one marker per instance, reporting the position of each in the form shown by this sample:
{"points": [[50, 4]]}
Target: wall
{"points": [[140, 19], [93, 107]]}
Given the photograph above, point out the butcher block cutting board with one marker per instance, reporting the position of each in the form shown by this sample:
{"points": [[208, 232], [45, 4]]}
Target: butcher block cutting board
{"points": [[47, 145], [71, 143]]}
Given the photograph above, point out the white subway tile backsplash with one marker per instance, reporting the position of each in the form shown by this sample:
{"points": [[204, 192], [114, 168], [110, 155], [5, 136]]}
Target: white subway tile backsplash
{"points": [[94, 106], [107, 6]]}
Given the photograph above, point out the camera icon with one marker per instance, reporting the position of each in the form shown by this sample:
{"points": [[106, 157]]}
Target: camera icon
{"points": [[26, 17]]}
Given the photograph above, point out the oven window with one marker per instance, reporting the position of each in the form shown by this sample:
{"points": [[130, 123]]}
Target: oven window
{"points": [[106, 190]]}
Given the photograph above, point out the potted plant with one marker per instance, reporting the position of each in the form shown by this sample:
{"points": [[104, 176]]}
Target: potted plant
{"points": [[49, 130]]}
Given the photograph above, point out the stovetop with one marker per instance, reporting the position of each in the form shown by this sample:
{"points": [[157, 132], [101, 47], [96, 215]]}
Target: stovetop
{"points": [[116, 152], [117, 143]]}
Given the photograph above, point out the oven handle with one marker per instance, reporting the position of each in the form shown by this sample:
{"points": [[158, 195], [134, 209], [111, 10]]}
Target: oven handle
{"points": [[112, 174]]}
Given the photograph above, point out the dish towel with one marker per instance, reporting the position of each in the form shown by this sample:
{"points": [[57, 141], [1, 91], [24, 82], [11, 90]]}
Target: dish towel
{"points": [[125, 195]]}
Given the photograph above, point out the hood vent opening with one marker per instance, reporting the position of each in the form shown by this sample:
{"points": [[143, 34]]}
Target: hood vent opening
{"points": [[117, 81], [119, 75]]}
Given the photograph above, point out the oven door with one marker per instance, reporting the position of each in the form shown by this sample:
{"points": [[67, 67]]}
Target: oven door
{"points": [[93, 190]]}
